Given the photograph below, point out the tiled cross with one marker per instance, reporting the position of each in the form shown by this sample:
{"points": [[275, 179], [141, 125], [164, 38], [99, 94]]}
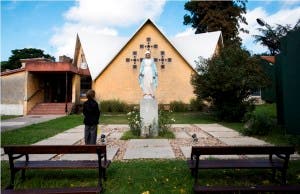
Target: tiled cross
{"points": [[163, 59]]}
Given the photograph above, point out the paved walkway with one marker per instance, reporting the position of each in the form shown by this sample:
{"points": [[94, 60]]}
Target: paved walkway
{"points": [[14, 123], [180, 147]]}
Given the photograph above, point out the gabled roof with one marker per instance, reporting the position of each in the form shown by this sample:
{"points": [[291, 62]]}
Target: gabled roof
{"points": [[101, 49], [197, 45]]}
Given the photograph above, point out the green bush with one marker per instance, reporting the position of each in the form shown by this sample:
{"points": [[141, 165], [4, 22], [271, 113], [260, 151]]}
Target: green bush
{"points": [[164, 121], [227, 79], [258, 123], [135, 122], [114, 106], [196, 105], [178, 106]]}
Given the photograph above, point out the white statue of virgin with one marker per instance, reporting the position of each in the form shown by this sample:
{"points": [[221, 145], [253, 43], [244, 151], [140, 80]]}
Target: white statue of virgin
{"points": [[148, 76]]}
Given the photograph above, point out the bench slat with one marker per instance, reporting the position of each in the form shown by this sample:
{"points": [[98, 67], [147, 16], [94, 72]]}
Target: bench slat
{"points": [[232, 189], [73, 190], [53, 149], [242, 150], [64, 164], [239, 163]]}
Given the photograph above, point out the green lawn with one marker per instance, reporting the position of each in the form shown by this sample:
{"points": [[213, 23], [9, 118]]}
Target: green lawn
{"points": [[193, 118], [5, 117], [113, 118], [36, 132], [278, 135], [155, 176]]}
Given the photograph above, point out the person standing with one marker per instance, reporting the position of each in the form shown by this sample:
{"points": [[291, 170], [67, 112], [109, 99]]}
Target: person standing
{"points": [[91, 114]]}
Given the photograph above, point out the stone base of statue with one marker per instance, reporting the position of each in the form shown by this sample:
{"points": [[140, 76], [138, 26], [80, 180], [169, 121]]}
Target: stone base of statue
{"points": [[149, 116]]}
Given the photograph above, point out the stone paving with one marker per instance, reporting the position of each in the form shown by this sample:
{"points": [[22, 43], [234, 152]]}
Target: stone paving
{"points": [[180, 147], [149, 148]]}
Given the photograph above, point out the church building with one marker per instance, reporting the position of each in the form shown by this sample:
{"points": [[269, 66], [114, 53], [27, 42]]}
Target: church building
{"points": [[109, 65]]}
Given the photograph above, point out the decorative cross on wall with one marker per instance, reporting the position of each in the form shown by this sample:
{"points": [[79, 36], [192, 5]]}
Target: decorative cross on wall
{"points": [[148, 45], [134, 59], [162, 59]]}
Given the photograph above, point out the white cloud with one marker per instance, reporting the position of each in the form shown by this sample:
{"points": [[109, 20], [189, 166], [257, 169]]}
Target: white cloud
{"points": [[187, 32], [283, 17], [101, 17]]}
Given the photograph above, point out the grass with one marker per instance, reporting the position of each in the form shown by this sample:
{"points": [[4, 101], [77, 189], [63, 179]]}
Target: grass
{"points": [[165, 135], [113, 118], [138, 176], [5, 117], [36, 132], [278, 135], [193, 118]]}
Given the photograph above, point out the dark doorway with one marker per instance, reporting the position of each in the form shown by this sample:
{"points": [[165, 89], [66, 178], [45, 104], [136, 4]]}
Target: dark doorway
{"points": [[55, 87]]}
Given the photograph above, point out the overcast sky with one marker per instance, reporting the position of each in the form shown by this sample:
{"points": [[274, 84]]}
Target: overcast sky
{"points": [[53, 25]]}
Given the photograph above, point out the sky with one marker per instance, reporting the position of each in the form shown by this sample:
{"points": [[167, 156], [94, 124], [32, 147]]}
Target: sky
{"points": [[52, 25]]}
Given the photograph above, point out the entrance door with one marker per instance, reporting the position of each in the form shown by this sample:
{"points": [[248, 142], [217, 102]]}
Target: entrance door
{"points": [[55, 88]]}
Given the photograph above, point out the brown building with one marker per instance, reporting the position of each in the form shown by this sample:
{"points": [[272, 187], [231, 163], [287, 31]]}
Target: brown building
{"points": [[110, 65]]}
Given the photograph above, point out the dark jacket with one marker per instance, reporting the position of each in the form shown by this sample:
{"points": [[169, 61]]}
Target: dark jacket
{"points": [[91, 112]]}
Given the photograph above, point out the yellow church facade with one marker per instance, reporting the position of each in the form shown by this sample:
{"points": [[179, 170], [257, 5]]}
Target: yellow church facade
{"points": [[117, 76]]}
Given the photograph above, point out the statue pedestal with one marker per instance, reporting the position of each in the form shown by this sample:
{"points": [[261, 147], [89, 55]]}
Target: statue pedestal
{"points": [[149, 116]]}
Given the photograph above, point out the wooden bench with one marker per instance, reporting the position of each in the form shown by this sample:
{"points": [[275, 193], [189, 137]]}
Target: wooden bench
{"points": [[18, 151], [278, 163]]}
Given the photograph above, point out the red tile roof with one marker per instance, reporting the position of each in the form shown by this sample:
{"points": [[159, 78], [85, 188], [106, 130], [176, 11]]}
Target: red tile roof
{"points": [[270, 59]]}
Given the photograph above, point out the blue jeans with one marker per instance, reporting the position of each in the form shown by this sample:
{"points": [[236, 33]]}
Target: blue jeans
{"points": [[90, 134]]}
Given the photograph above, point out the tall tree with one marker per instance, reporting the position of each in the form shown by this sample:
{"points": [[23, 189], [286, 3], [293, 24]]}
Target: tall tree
{"points": [[227, 80], [271, 35], [26, 53], [207, 16]]}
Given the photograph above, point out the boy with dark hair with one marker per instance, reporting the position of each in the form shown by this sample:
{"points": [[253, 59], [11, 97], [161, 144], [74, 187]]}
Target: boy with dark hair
{"points": [[91, 114]]}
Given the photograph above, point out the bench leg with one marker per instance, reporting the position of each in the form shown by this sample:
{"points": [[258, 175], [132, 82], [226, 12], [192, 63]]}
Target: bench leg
{"points": [[104, 174], [23, 174], [283, 174], [12, 179], [273, 174]]}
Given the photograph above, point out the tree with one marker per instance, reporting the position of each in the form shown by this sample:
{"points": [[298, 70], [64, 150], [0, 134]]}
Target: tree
{"points": [[207, 16], [26, 53], [227, 80], [271, 35]]}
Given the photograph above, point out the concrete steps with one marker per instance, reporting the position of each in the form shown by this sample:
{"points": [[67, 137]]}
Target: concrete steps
{"points": [[50, 109]]}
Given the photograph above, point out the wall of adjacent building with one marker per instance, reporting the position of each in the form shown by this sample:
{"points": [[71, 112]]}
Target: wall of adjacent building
{"points": [[120, 80], [12, 93], [76, 89], [34, 92]]}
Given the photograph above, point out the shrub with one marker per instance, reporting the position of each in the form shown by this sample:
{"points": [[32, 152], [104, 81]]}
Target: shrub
{"points": [[164, 121], [113, 106], [135, 122], [227, 80], [258, 123], [178, 106], [196, 104]]}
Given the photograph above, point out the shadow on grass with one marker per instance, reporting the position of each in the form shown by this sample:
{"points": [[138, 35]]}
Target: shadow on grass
{"points": [[155, 176]]}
